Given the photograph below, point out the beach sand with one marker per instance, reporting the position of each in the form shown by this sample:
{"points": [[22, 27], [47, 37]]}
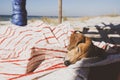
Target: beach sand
{"points": [[101, 28]]}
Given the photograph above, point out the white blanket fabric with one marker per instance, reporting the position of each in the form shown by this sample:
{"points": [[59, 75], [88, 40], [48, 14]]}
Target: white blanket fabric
{"points": [[15, 53], [80, 70]]}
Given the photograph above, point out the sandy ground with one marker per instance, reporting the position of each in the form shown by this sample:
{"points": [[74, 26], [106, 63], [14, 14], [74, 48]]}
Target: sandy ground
{"points": [[98, 28]]}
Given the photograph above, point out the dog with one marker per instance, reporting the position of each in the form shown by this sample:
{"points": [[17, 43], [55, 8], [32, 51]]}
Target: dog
{"points": [[80, 47]]}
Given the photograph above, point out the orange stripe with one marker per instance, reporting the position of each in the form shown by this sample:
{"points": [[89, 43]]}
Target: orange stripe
{"points": [[24, 31], [40, 25], [55, 36], [38, 31], [27, 43], [47, 62], [10, 41], [19, 53], [61, 35], [10, 30], [36, 56], [10, 74], [23, 49], [53, 29], [49, 37], [3, 40], [48, 69], [13, 33], [13, 60], [22, 46], [33, 62], [8, 56], [47, 27], [39, 41], [23, 38], [58, 31], [19, 65], [6, 31], [14, 38], [51, 50], [11, 38], [16, 64]]}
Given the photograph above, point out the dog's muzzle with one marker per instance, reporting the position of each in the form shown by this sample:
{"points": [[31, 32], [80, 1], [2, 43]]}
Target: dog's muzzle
{"points": [[67, 62]]}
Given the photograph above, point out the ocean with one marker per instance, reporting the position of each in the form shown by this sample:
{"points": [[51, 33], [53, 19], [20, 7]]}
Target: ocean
{"points": [[8, 17]]}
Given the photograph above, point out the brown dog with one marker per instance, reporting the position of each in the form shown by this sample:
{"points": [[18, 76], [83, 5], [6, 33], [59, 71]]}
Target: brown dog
{"points": [[79, 47]]}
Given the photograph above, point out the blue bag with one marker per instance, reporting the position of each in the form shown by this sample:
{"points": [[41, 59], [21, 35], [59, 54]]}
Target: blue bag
{"points": [[19, 15]]}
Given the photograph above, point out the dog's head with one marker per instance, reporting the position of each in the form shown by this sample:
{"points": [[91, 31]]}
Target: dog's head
{"points": [[75, 38], [78, 48]]}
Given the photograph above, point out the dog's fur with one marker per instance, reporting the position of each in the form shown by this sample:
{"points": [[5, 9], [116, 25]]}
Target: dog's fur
{"points": [[80, 47]]}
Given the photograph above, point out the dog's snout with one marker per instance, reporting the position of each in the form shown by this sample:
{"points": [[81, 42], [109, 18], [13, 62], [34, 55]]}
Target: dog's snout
{"points": [[67, 63]]}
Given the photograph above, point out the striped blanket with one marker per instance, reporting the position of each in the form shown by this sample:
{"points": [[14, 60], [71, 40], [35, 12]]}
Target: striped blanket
{"points": [[38, 50], [16, 44]]}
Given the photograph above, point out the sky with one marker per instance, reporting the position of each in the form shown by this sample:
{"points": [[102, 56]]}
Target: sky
{"points": [[70, 7]]}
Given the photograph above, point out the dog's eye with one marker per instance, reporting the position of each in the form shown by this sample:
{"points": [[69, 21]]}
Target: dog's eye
{"points": [[78, 49]]}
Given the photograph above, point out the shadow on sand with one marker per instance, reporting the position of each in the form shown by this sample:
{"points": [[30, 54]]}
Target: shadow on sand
{"points": [[109, 33]]}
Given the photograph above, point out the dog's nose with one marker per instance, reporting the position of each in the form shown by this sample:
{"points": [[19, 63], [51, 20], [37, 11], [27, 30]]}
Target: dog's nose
{"points": [[67, 63]]}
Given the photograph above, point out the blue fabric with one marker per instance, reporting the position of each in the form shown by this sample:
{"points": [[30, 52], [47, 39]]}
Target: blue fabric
{"points": [[19, 15]]}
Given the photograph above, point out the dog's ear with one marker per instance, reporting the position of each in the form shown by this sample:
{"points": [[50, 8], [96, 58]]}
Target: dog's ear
{"points": [[77, 31], [75, 39]]}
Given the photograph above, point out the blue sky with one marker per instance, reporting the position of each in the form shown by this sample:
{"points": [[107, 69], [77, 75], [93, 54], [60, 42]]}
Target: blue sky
{"points": [[70, 7]]}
